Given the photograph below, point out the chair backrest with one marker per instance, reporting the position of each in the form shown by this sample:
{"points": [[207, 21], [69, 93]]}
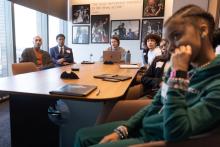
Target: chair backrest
{"points": [[24, 67]]}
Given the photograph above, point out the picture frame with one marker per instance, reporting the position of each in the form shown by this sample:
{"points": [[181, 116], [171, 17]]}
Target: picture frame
{"points": [[126, 29], [80, 34], [81, 14], [151, 26], [100, 28], [153, 8]]}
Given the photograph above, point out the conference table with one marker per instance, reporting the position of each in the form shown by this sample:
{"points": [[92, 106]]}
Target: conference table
{"points": [[30, 99]]}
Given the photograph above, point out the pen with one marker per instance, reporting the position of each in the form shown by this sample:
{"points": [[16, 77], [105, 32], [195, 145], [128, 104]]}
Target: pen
{"points": [[98, 92]]}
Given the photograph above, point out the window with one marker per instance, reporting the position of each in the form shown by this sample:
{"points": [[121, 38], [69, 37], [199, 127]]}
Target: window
{"points": [[6, 43], [25, 28], [56, 26], [27, 24], [54, 29]]}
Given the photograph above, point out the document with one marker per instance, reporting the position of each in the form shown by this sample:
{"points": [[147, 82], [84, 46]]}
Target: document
{"points": [[129, 66]]}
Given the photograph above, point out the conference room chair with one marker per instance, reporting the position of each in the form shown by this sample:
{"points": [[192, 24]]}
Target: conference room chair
{"points": [[24, 67], [124, 109]]}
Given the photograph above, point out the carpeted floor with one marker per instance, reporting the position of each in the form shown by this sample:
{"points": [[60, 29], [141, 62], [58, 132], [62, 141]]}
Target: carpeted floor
{"points": [[5, 138]]}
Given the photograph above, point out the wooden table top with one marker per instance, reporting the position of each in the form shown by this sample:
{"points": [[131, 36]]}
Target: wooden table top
{"points": [[42, 82]]}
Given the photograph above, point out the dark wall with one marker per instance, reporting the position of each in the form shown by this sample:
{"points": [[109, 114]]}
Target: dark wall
{"points": [[57, 8]]}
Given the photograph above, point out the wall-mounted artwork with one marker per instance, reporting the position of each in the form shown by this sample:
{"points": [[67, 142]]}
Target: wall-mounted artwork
{"points": [[151, 26], [100, 28], [80, 34], [153, 8], [126, 29], [81, 14]]}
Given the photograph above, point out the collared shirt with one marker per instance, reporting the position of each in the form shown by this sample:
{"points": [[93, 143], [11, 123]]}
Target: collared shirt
{"points": [[61, 49]]}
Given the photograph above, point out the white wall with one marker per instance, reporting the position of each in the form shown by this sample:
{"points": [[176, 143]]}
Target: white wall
{"points": [[177, 4], [127, 9], [213, 9]]}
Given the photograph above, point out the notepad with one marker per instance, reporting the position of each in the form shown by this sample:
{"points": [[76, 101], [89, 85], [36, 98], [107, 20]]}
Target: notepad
{"points": [[74, 90], [87, 62], [129, 66]]}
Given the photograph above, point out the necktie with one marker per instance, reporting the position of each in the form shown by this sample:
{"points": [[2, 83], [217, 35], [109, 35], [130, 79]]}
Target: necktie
{"points": [[61, 50]]}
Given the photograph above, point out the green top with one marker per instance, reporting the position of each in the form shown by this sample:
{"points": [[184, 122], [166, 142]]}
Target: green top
{"points": [[185, 113]]}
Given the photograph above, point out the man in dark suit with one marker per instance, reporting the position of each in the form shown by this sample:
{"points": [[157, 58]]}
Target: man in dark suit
{"points": [[61, 54]]}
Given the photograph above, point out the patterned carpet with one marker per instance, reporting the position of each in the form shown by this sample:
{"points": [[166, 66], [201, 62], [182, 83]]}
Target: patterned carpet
{"points": [[5, 138]]}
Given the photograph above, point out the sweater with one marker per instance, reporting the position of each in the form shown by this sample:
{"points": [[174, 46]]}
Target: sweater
{"points": [[28, 55], [184, 113], [153, 76]]}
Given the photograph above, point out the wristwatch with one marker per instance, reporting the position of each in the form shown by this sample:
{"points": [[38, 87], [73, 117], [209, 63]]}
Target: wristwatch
{"points": [[178, 74]]}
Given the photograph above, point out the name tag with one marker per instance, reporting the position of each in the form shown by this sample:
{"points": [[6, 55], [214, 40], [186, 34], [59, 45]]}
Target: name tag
{"points": [[68, 51], [159, 64]]}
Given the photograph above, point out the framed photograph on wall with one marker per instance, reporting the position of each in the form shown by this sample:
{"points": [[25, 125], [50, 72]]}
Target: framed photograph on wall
{"points": [[126, 29], [81, 14], [151, 26], [80, 34], [100, 28], [153, 8]]}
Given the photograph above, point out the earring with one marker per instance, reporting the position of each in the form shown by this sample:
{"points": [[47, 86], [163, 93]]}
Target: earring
{"points": [[203, 35]]}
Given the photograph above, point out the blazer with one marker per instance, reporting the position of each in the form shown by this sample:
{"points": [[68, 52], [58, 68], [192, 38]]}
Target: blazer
{"points": [[55, 55], [28, 55], [153, 76]]}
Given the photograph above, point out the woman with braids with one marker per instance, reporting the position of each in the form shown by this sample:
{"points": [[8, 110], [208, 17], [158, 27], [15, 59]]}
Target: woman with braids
{"points": [[189, 100]]}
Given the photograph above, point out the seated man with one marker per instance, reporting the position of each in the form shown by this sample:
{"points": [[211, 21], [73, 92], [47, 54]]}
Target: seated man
{"points": [[40, 57], [61, 54], [115, 42], [188, 103]]}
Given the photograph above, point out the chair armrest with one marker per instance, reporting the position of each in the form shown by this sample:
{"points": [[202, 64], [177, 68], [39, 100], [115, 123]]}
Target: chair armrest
{"points": [[126, 108], [151, 144], [213, 140]]}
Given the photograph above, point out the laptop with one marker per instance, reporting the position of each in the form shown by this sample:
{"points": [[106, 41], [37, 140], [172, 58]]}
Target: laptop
{"points": [[74, 90], [113, 56], [112, 76]]}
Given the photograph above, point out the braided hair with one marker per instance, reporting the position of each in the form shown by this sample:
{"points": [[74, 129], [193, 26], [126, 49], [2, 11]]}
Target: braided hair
{"points": [[196, 13]]}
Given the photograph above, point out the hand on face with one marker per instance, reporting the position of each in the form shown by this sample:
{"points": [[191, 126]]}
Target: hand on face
{"points": [[180, 58], [110, 138]]}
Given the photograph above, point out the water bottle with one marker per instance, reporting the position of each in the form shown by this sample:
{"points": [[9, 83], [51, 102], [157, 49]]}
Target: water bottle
{"points": [[128, 57], [90, 57]]}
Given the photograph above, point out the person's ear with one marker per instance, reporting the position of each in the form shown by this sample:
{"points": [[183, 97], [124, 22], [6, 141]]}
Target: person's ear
{"points": [[204, 30]]}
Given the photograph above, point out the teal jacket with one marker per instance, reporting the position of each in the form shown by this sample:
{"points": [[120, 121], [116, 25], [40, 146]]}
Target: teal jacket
{"points": [[184, 113]]}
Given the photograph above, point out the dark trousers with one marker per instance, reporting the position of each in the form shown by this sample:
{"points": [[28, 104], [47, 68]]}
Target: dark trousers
{"points": [[91, 136]]}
